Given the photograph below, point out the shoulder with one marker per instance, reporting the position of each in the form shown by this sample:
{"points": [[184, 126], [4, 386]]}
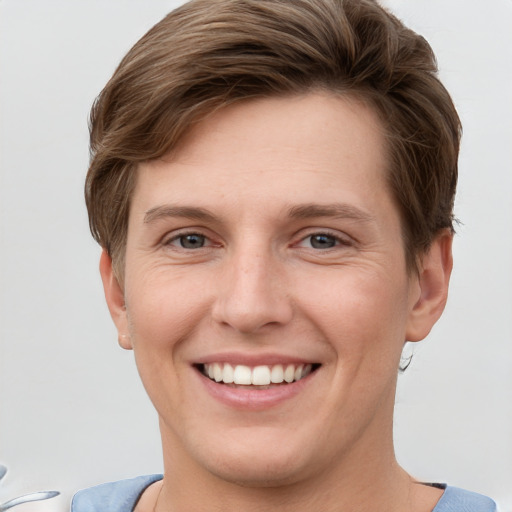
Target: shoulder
{"points": [[459, 500], [114, 496]]}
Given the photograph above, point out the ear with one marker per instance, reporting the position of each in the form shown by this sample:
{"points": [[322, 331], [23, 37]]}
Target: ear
{"points": [[115, 300], [432, 287]]}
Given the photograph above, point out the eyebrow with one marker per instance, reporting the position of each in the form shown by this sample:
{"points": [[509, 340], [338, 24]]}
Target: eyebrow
{"points": [[335, 210], [303, 211], [188, 212]]}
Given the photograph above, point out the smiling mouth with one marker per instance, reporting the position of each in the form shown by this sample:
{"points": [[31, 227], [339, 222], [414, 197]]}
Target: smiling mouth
{"points": [[262, 376]]}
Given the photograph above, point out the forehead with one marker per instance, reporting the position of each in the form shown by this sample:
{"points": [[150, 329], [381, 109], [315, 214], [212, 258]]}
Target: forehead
{"points": [[315, 139]]}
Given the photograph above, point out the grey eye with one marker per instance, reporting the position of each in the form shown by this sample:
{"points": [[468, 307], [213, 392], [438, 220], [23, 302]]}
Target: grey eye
{"points": [[322, 241], [192, 241]]}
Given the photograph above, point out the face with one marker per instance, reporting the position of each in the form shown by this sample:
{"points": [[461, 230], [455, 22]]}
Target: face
{"points": [[266, 295]]}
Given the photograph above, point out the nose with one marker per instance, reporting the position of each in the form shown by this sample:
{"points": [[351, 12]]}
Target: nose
{"points": [[252, 293]]}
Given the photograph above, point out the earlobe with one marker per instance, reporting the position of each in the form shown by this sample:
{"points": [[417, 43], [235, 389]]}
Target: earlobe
{"points": [[433, 280], [114, 296]]}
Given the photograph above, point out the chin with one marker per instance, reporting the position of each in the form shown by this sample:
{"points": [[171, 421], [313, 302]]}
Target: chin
{"points": [[260, 463], [258, 474]]}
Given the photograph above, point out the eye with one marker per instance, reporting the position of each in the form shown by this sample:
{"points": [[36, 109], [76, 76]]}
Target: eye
{"points": [[322, 241], [189, 241]]}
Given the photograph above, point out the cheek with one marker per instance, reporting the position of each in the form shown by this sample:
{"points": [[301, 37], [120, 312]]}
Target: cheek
{"points": [[359, 313], [163, 310], [163, 314]]}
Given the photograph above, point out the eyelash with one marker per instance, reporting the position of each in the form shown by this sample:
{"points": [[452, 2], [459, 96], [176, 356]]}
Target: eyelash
{"points": [[182, 235], [338, 241]]}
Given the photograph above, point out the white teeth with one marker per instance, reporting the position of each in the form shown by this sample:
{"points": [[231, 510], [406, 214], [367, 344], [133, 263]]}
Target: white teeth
{"points": [[261, 376], [277, 374], [229, 374], [258, 376], [217, 372], [289, 373], [242, 375]]}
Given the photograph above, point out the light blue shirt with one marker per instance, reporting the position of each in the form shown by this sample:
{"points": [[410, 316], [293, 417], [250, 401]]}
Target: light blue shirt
{"points": [[122, 497]]}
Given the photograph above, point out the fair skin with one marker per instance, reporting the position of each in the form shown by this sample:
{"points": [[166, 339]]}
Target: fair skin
{"points": [[269, 239]]}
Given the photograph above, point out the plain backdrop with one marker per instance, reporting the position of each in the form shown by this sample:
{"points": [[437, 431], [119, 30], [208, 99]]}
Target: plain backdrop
{"points": [[72, 411]]}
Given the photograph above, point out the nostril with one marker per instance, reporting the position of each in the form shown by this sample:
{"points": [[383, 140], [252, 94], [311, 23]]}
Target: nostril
{"points": [[248, 300]]}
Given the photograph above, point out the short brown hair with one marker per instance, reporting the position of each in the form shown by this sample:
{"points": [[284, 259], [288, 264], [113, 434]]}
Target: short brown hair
{"points": [[210, 53]]}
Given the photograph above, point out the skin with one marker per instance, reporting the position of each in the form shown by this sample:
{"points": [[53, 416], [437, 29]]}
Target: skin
{"points": [[259, 288]]}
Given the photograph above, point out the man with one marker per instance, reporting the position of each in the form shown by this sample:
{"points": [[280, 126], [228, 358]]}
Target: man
{"points": [[272, 183]]}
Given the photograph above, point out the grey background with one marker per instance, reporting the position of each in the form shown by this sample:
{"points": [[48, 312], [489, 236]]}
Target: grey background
{"points": [[72, 412]]}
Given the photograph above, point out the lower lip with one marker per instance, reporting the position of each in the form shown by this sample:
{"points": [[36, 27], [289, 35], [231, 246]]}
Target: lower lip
{"points": [[251, 398]]}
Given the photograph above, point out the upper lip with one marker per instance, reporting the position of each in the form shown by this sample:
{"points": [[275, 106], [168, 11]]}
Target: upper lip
{"points": [[235, 358]]}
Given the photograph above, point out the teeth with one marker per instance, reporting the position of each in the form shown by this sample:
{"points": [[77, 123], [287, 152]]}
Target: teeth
{"points": [[289, 373], [228, 375], [261, 376], [257, 376], [242, 375], [217, 372], [277, 374]]}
